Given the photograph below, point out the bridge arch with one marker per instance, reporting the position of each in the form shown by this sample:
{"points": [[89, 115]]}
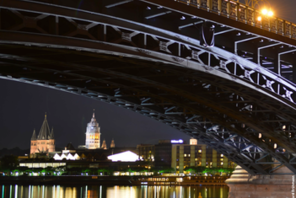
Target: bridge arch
{"points": [[235, 106]]}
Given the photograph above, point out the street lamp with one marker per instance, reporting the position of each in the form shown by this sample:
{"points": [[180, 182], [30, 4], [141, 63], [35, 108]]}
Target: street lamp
{"points": [[265, 12]]}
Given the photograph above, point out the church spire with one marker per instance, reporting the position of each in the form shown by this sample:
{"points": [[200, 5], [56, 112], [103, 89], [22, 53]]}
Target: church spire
{"points": [[104, 146], [51, 134], [34, 135], [112, 145], [93, 119], [44, 130]]}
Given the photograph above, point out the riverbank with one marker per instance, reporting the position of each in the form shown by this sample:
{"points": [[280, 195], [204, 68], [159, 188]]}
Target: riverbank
{"points": [[115, 180]]}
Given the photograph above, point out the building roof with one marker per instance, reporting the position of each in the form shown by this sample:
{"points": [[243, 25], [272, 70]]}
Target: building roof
{"points": [[70, 146], [34, 135], [93, 125], [44, 133]]}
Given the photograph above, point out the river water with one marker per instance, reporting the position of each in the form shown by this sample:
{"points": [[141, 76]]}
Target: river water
{"points": [[87, 191]]}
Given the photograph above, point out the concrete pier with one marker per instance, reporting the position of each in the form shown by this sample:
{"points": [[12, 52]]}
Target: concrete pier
{"points": [[243, 185]]}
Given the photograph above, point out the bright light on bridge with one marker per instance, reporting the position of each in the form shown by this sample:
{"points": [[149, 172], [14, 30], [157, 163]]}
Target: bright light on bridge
{"points": [[265, 12], [259, 18], [270, 13]]}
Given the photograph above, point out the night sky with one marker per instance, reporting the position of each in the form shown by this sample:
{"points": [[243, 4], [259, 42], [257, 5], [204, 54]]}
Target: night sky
{"points": [[22, 109]]}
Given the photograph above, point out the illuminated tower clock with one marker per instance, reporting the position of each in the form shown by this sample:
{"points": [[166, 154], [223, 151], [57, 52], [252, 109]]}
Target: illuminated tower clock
{"points": [[92, 139]]}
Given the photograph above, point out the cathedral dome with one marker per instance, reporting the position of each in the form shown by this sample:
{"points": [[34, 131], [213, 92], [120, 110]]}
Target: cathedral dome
{"points": [[93, 125]]}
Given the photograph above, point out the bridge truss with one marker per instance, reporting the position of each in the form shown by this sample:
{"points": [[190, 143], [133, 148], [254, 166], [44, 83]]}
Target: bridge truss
{"points": [[237, 96]]}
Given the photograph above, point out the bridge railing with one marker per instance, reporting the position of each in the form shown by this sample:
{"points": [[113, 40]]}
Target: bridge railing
{"points": [[242, 13]]}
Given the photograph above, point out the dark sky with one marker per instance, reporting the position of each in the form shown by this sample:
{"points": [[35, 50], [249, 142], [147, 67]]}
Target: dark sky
{"points": [[22, 108]]}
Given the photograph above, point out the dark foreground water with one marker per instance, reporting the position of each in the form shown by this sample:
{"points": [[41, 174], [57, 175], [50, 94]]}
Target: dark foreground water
{"points": [[87, 191]]}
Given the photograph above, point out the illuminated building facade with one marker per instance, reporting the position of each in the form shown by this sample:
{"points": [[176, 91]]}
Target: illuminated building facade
{"points": [[159, 154], [194, 154], [92, 135], [179, 155], [44, 142], [146, 152]]}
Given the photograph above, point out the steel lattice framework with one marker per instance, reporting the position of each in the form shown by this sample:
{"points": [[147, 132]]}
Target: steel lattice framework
{"points": [[237, 96]]}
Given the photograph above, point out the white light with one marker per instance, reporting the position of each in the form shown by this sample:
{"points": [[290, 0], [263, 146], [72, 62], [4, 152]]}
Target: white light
{"points": [[57, 157], [177, 141], [126, 156], [270, 13], [264, 11], [259, 18]]}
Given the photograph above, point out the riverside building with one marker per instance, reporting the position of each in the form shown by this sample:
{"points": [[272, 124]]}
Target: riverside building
{"points": [[44, 143], [194, 155], [179, 155]]}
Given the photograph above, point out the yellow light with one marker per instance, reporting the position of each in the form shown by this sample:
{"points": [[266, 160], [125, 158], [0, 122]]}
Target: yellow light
{"points": [[264, 11], [270, 13], [259, 18]]}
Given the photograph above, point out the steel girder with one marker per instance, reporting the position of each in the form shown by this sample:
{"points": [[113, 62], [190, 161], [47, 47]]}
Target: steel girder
{"points": [[235, 106]]}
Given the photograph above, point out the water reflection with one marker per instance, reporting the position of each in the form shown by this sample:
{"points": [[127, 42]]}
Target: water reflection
{"points": [[57, 191]]}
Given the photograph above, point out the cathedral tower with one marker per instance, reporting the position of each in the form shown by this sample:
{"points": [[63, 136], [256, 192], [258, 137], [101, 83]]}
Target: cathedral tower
{"points": [[104, 145], [44, 142], [112, 145], [92, 139]]}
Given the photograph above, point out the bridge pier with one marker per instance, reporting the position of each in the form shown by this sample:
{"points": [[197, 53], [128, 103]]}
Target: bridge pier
{"points": [[243, 185]]}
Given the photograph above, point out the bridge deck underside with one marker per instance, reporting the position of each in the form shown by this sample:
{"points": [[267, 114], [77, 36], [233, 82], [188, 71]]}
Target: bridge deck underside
{"points": [[238, 111]]}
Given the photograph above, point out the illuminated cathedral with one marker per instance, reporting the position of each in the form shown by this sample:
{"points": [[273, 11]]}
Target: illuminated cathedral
{"points": [[44, 142], [93, 134]]}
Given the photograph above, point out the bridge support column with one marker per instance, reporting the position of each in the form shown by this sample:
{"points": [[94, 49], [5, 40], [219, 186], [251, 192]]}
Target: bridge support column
{"points": [[243, 185]]}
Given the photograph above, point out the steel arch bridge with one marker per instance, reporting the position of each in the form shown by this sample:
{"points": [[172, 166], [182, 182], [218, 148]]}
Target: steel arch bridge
{"points": [[234, 90]]}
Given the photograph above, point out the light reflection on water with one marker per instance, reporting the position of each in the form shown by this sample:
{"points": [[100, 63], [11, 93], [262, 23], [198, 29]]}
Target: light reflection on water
{"points": [[57, 191]]}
